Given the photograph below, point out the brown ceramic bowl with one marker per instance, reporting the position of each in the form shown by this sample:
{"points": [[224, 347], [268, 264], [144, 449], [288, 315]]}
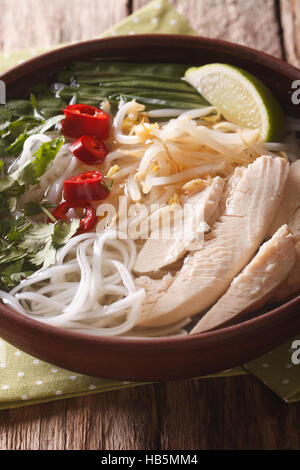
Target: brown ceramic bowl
{"points": [[167, 358]]}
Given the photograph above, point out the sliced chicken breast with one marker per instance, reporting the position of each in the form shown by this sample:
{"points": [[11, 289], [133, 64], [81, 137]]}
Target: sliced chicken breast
{"points": [[253, 200], [289, 213], [253, 287], [154, 288], [187, 232]]}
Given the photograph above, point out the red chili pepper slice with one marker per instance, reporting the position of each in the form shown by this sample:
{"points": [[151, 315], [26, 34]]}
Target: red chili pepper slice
{"points": [[86, 187], [82, 119], [88, 220], [89, 150]]}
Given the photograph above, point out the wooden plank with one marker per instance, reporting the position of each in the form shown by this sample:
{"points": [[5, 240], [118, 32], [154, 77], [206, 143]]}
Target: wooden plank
{"points": [[247, 22], [119, 420], [290, 20], [40, 23], [234, 413]]}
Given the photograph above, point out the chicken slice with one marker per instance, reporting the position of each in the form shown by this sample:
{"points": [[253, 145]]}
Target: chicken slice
{"points": [[253, 287], [289, 213], [253, 200], [291, 199], [186, 232], [154, 288]]}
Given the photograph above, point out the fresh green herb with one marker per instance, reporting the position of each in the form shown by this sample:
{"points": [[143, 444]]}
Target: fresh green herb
{"points": [[41, 241], [15, 233], [28, 246], [13, 259], [11, 224], [33, 208], [15, 109], [14, 273], [10, 252], [63, 232]]}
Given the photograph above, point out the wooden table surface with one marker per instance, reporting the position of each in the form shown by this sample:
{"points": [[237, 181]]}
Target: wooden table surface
{"points": [[231, 413]]}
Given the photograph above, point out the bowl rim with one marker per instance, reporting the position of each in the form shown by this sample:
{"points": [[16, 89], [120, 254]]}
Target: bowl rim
{"points": [[43, 58], [185, 40]]}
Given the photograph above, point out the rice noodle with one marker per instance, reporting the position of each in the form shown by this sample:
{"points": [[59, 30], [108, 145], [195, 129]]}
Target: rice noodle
{"points": [[90, 262]]}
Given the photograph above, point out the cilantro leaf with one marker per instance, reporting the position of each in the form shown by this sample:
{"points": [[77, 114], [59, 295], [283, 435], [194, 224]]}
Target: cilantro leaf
{"points": [[11, 224], [10, 252], [27, 246], [14, 273], [41, 241], [32, 208], [10, 187], [4, 209], [37, 242], [63, 231]]}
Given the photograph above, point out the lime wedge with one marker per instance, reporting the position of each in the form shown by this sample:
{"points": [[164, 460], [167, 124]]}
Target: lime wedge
{"points": [[240, 97]]}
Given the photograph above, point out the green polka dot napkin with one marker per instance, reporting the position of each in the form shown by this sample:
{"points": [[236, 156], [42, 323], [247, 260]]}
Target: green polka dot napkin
{"points": [[279, 370], [25, 380]]}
